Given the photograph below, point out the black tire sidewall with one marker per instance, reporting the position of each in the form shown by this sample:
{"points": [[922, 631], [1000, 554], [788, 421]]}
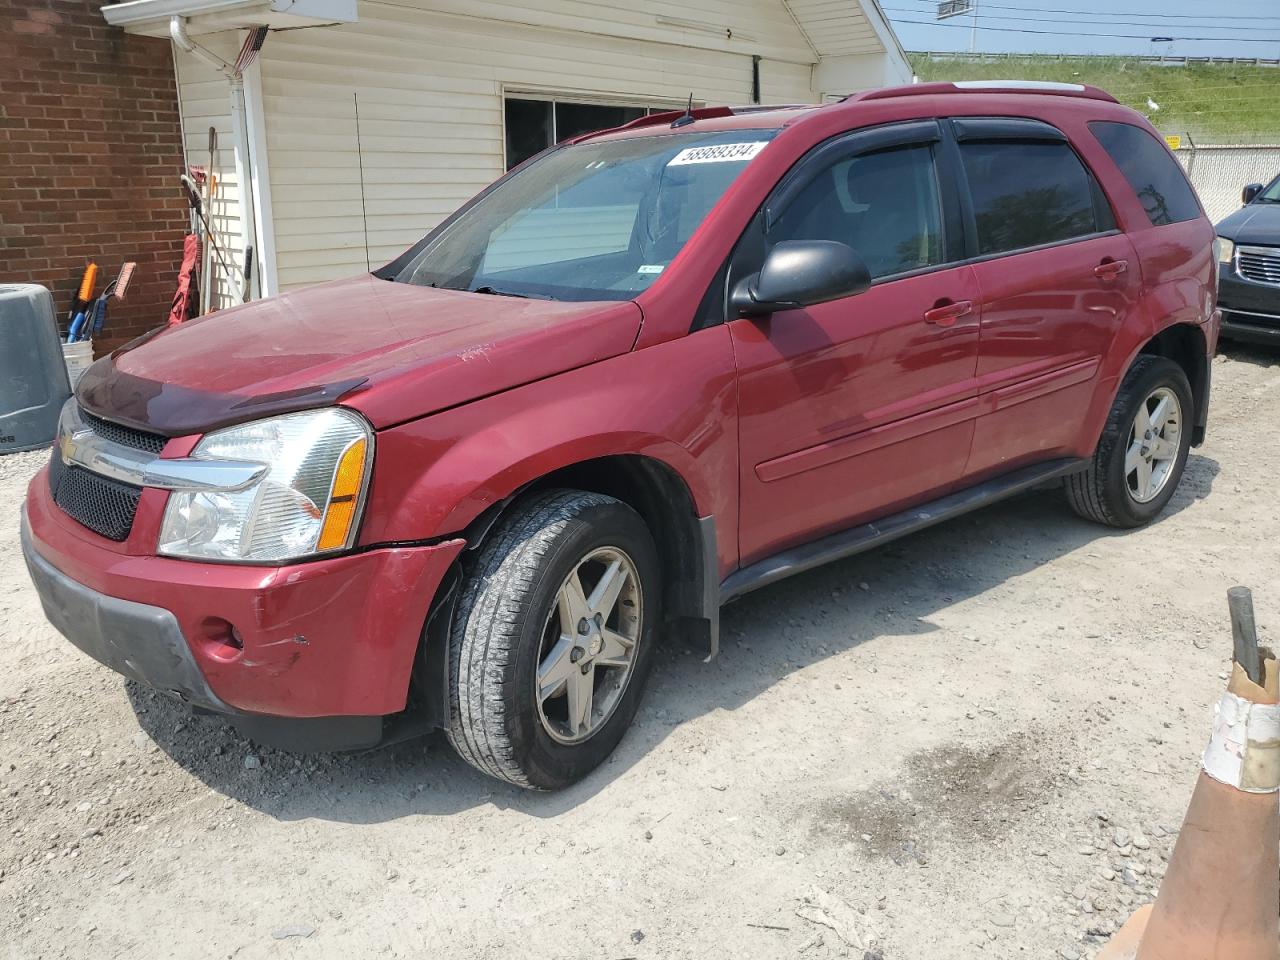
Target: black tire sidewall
{"points": [[547, 763], [1160, 372]]}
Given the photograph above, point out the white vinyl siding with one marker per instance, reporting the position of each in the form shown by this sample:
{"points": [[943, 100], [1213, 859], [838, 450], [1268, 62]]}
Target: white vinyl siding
{"points": [[206, 102], [431, 84]]}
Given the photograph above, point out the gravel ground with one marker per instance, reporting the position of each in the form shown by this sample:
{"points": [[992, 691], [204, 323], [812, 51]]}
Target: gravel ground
{"points": [[982, 738]]}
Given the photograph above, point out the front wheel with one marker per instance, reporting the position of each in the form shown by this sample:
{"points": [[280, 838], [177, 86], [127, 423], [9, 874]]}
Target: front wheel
{"points": [[553, 639], [1140, 458]]}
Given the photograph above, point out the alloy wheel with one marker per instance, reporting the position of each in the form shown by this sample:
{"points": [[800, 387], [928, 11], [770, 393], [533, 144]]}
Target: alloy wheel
{"points": [[1154, 441], [589, 645]]}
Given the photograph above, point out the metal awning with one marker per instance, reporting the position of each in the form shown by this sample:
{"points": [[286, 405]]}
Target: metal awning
{"points": [[151, 17]]}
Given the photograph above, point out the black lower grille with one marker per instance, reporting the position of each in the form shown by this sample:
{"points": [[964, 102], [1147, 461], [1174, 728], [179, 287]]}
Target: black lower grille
{"points": [[105, 506]]}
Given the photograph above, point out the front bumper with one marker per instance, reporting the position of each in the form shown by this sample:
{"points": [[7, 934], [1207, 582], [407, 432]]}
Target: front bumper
{"points": [[1250, 310], [142, 642], [331, 638]]}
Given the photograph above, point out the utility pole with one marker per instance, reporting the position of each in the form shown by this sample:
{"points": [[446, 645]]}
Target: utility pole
{"points": [[973, 29]]}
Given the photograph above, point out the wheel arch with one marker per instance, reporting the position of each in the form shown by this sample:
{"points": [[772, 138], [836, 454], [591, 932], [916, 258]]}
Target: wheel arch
{"points": [[663, 498], [686, 543], [1185, 344]]}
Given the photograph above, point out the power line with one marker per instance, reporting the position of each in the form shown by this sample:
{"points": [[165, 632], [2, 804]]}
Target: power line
{"points": [[1068, 33], [1113, 13], [1112, 23]]}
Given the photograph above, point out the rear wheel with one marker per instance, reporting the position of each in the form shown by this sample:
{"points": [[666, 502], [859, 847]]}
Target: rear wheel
{"points": [[553, 639], [1140, 458]]}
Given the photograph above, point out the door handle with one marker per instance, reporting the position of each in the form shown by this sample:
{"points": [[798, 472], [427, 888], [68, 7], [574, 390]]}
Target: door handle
{"points": [[1110, 269], [947, 312]]}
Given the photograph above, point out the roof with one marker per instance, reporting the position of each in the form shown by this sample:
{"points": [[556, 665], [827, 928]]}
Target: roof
{"points": [[830, 28], [771, 117], [845, 28]]}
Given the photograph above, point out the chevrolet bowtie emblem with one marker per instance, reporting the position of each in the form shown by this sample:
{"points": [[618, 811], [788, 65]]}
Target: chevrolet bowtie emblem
{"points": [[67, 445]]}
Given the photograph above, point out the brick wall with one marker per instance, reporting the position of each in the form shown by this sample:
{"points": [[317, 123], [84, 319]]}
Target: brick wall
{"points": [[90, 154]]}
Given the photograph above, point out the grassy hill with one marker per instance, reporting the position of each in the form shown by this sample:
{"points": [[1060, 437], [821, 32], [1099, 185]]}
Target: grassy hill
{"points": [[1213, 103]]}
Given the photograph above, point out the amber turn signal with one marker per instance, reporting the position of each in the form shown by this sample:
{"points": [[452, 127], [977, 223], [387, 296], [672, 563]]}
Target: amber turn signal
{"points": [[340, 515]]}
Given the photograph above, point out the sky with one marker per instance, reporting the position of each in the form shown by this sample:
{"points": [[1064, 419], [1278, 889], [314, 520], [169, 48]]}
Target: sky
{"points": [[1217, 28]]}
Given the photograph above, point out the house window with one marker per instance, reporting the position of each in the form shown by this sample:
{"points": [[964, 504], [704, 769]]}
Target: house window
{"points": [[534, 125]]}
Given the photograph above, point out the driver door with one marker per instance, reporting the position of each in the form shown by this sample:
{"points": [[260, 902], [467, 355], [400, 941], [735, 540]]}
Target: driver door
{"points": [[853, 409]]}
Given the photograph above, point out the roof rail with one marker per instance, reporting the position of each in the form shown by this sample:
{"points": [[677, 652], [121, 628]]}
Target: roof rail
{"points": [[1082, 90], [749, 108]]}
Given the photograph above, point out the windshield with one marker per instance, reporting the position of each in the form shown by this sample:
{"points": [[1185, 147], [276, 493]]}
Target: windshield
{"points": [[1271, 194], [595, 221]]}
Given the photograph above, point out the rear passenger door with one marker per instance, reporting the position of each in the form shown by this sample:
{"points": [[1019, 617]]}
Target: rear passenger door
{"points": [[1056, 280]]}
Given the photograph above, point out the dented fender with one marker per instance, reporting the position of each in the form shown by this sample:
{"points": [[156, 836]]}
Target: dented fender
{"points": [[675, 403]]}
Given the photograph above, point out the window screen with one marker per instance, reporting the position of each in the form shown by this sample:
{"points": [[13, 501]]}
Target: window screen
{"points": [[884, 205], [530, 127], [1154, 175], [534, 125], [575, 119], [1029, 194]]}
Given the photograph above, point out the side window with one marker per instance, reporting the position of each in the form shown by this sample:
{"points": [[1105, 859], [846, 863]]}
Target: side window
{"points": [[885, 205], [1154, 175], [1028, 194]]}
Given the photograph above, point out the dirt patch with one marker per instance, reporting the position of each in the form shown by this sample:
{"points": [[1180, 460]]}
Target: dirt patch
{"points": [[956, 792], [1079, 671]]}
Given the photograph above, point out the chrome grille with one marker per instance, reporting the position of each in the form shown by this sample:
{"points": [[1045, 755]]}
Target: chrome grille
{"points": [[105, 506], [1260, 264]]}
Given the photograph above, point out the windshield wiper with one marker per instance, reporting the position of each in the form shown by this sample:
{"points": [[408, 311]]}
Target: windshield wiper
{"points": [[494, 291]]}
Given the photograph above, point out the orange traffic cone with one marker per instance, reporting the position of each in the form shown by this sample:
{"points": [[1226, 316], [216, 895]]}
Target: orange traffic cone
{"points": [[1219, 897]]}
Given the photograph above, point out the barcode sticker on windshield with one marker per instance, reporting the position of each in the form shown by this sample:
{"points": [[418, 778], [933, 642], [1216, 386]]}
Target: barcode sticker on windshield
{"points": [[720, 153]]}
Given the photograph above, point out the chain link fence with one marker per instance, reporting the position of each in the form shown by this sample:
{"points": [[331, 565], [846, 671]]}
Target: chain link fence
{"points": [[1219, 171]]}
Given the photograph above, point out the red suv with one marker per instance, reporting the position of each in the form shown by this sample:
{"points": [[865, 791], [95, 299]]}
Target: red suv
{"points": [[644, 373]]}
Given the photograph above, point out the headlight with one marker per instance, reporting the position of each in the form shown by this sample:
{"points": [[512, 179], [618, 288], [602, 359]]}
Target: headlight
{"points": [[1226, 250], [309, 501]]}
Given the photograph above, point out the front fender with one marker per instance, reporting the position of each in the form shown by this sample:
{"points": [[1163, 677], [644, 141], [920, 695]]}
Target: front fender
{"points": [[674, 402]]}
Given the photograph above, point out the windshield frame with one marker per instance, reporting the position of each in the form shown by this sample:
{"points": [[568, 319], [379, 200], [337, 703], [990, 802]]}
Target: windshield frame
{"points": [[407, 264]]}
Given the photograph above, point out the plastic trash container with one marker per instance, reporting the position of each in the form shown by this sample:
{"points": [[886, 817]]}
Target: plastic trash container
{"points": [[33, 376]]}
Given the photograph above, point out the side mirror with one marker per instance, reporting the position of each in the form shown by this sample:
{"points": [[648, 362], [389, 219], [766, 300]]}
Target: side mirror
{"points": [[800, 273], [1250, 191]]}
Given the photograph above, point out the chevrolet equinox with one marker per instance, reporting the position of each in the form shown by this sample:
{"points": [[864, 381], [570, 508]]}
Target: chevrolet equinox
{"points": [[643, 373]]}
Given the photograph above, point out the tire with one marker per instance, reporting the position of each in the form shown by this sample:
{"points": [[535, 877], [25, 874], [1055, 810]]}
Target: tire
{"points": [[1109, 493], [507, 623]]}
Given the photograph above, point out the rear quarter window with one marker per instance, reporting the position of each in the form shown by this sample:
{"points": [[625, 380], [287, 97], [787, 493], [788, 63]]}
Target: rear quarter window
{"points": [[1154, 175]]}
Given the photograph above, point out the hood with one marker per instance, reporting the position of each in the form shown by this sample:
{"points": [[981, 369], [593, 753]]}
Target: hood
{"points": [[393, 351], [1255, 223]]}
